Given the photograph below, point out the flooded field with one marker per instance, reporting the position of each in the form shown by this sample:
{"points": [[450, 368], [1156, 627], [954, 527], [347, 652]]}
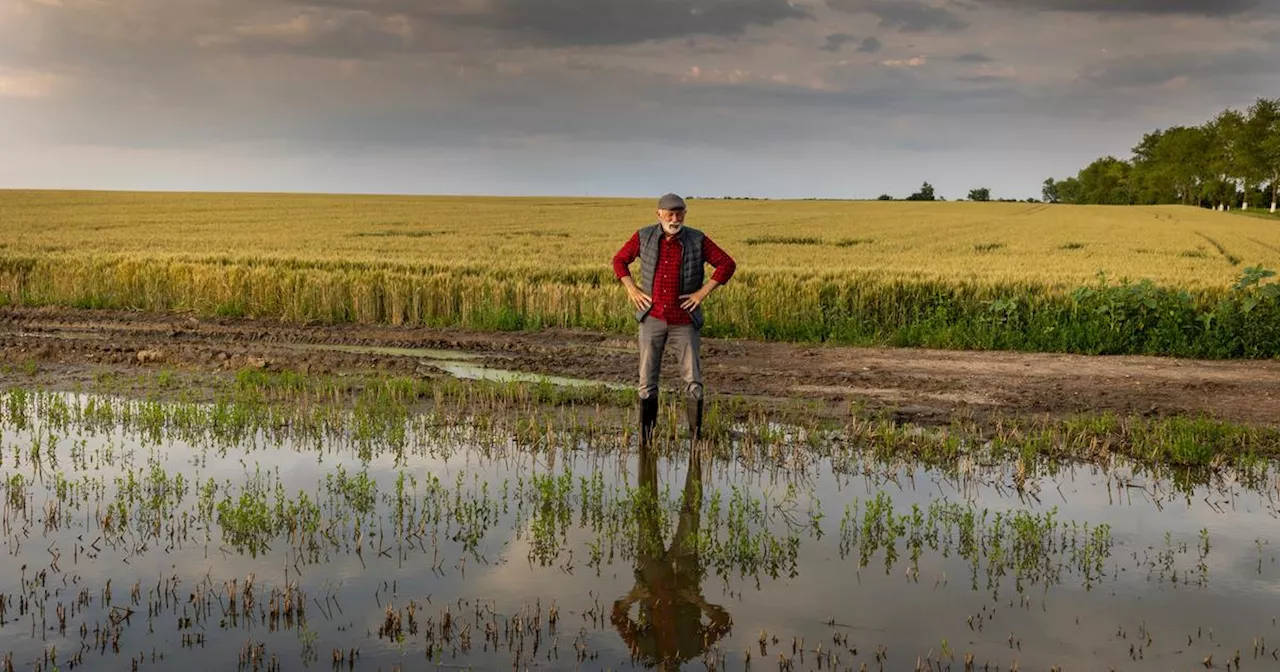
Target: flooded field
{"points": [[149, 535]]}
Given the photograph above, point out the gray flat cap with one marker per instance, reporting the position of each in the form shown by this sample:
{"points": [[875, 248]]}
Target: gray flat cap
{"points": [[671, 202]]}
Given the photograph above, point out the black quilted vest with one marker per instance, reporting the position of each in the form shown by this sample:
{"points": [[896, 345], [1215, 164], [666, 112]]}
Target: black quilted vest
{"points": [[691, 264]]}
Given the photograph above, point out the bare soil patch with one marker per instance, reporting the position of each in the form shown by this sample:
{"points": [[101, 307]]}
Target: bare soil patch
{"points": [[926, 386]]}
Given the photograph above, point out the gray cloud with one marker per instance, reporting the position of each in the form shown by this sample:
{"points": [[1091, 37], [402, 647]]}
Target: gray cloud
{"points": [[348, 35], [527, 81], [133, 32], [908, 16], [618, 22], [982, 79], [1210, 8], [391, 109], [837, 40], [1155, 69]]}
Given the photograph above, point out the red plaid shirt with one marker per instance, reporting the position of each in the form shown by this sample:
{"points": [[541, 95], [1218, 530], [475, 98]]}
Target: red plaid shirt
{"points": [[666, 281]]}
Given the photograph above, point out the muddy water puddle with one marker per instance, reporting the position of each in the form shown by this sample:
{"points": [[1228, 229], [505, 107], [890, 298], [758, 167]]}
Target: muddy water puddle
{"points": [[464, 365], [469, 371], [439, 546]]}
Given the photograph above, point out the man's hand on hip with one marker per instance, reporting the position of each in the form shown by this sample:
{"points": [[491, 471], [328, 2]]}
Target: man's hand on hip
{"points": [[690, 302], [639, 299]]}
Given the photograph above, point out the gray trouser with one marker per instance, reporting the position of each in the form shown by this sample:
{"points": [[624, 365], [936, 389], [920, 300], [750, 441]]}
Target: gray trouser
{"points": [[655, 334]]}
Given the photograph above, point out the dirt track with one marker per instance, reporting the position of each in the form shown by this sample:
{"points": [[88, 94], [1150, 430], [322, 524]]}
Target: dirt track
{"points": [[927, 386]]}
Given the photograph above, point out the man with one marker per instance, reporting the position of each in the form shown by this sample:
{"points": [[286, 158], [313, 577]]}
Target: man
{"points": [[668, 303]]}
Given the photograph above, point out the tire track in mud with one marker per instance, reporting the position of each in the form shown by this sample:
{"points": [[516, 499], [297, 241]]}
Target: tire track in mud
{"points": [[930, 386]]}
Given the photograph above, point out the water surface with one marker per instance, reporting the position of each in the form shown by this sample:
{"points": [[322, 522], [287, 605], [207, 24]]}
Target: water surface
{"points": [[440, 545]]}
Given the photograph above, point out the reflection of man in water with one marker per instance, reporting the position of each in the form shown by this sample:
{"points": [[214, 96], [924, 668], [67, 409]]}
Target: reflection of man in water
{"points": [[668, 587]]}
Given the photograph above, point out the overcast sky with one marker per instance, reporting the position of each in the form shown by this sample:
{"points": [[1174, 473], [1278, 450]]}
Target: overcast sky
{"points": [[821, 98]]}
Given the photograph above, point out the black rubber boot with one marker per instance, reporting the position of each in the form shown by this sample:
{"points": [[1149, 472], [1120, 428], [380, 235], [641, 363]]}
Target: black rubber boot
{"points": [[648, 418], [693, 413]]}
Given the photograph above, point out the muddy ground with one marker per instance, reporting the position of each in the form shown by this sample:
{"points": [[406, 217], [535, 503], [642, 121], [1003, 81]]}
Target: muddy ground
{"points": [[67, 348]]}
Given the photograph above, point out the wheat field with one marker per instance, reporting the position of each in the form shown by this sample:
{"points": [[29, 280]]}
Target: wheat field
{"points": [[806, 269], [1054, 244]]}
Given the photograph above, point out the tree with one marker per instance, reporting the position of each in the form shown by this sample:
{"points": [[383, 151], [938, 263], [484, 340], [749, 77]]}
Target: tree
{"points": [[1226, 169], [1106, 181], [980, 194], [1050, 191], [1182, 155], [1250, 152], [1153, 180], [925, 193], [1171, 166], [1232, 159], [884, 197], [1069, 190], [1263, 144]]}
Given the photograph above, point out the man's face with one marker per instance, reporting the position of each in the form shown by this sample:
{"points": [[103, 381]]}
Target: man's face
{"points": [[672, 221]]}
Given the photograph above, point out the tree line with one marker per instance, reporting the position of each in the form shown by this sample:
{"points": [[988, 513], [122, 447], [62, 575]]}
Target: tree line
{"points": [[927, 193], [1230, 161]]}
